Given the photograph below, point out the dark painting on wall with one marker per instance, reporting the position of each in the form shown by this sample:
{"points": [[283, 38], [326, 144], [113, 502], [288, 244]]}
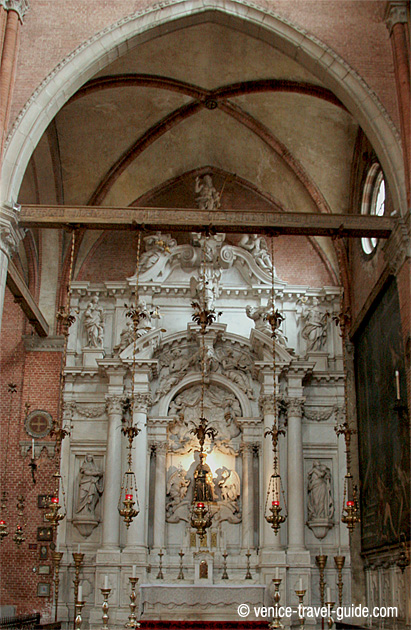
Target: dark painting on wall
{"points": [[383, 424]]}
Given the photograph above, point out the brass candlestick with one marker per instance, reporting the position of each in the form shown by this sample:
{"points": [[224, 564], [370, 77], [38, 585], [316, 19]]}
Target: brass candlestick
{"points": [[321, 561], [330, 621], [181, 573], [339, 563], [248, 575], [225, 574], [105, 593], [132, 619], [56, 557], [78, 562], [300, 595], [160, 575], [78, 619], [276, 623]]}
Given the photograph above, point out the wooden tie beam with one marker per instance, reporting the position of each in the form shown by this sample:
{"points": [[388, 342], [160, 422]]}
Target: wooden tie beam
{"points": [[194, 220], [23, 297]]}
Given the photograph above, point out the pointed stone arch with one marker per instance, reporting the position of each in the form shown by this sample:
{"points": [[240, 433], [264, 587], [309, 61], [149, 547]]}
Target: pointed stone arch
{"points": [[104, 47]]}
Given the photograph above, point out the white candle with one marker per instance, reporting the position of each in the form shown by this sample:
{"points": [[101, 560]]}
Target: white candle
{"points": [[321, 551], [134, 570], [106, 581], [78, 548], [328, 594], [300, 585], [277, 573], [32, 448], [80, 593], [339, 551], [397, 384]]}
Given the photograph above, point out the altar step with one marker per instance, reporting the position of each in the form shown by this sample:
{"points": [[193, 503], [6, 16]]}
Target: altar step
{"points": [[202, 625]]}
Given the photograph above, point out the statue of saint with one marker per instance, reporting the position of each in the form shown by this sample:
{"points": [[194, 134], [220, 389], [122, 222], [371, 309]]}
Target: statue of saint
{"points": [[203, 481], [90, 488], [314, 326], [320, 502], [93, 323]]}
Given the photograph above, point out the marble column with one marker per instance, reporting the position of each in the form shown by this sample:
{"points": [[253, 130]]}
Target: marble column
{"points": [[137, 532], [112, 475], [10, 236], [295, 475], [270, 540], [247, 498], [160, 495]]}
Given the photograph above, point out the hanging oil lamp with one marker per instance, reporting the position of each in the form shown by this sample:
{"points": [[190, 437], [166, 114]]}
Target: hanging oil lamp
{"points": [[3, 525], [275, 491], [200, 514], [19, 536], [350, 511], [53, 514], [128, 505]]}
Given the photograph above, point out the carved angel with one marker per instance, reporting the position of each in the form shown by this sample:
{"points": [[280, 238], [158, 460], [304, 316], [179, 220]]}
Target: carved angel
{"points": [[257, 246], [177, 488], [229, 485]]}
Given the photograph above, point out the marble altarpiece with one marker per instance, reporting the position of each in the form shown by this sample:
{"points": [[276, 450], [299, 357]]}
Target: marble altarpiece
{"points": [[239, 404]]}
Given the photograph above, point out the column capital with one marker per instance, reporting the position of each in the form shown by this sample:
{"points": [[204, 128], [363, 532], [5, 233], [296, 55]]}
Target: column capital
{"points": [[266, 403], [247, 447], [160, 446], [19, 6], [142, 401], [10, 233], [114, 405], [396, 13], [295, 407]]}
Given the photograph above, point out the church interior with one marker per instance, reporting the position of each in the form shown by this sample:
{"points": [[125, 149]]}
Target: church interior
{"points": [[205, 314]]}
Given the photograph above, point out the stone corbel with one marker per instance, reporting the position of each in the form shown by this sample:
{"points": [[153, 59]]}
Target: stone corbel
{"points": [[39, 446], [397, 249], [10, 233]]}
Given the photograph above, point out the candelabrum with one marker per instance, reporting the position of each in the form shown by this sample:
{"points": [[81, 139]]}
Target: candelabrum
{"points": [[248, 575], [132, 619], [300, 595], [330, 621], [276, 623], [56, 556], [78, 619], [181, 572], [339, 563], [160, 575], [321, 561], [225, 574], [105, 593], [78, 562]]}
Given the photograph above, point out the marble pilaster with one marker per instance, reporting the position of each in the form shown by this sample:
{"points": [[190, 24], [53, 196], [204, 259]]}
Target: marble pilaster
{"points": [[160, 495], [248, 512]]}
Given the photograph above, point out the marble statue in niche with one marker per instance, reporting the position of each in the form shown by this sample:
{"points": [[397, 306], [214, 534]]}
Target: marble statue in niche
{"points": [[207, 197], [94, 324], [257, 246], [314, 323], [258, 315], [320, 504], [90, 489]]}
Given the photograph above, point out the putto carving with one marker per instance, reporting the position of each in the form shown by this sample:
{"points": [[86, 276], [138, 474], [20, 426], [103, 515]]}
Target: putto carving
{"points": [[94, 324], [221, 408], [236, 365], [314, 324], [257, 246], [259, 316], [320, 504], [156, 247], [91, 486], [207, 196]]}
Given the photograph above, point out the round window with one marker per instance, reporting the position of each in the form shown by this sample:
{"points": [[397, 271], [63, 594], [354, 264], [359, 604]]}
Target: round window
{"points": [[373, 202]]}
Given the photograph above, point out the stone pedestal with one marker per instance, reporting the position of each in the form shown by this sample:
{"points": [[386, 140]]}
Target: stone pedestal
{"points": [[91, 356]]}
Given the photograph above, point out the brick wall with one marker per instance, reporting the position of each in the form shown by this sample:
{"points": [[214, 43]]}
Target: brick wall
{"points": [[36, 376]]}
